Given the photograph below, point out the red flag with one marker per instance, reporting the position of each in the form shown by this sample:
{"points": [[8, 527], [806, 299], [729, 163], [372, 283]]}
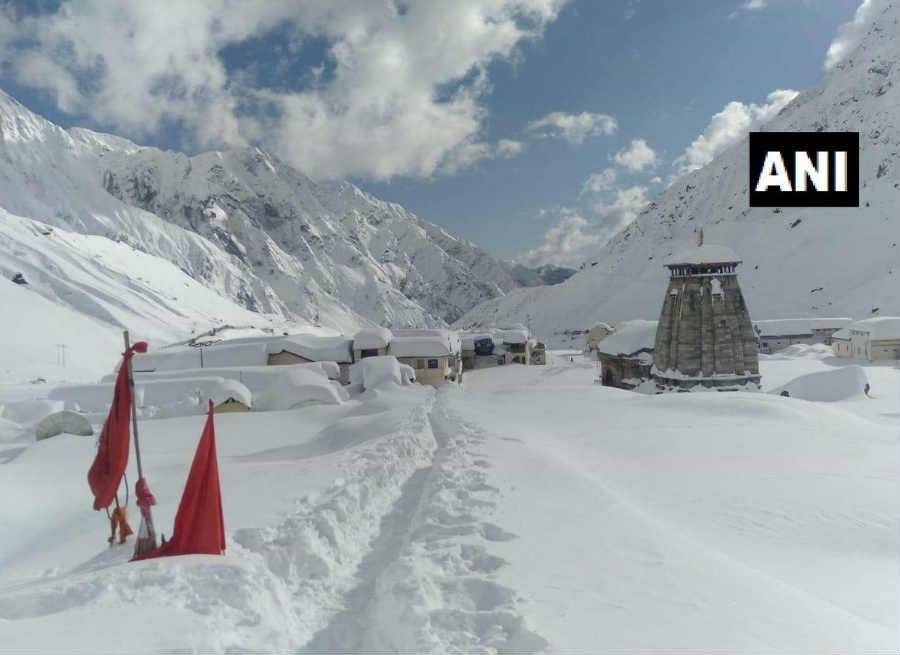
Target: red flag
{"points": [[199, 527], [112, 452]]}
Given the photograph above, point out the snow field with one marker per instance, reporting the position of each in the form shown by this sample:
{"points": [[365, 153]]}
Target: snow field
{"points": [[302, 498], [691, 522]]}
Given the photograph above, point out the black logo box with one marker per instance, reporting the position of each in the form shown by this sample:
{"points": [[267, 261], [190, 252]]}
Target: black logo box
{"points": [[787, 143]]}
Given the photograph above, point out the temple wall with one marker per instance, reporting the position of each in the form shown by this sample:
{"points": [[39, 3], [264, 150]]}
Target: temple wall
{"points": [[705, 328]]}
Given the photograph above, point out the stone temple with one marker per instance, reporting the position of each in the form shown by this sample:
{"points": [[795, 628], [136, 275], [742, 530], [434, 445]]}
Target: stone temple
{"points": [[705, 339]]}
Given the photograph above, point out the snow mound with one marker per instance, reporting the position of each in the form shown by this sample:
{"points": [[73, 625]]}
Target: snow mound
{"points": [[195, 392], [407, 373], [295, 386], [827, 386], [64, 422], [28, 411], [374, 372], [90, 398]]}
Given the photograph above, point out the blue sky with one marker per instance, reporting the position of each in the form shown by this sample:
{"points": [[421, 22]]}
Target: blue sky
{"points": [[486, 117]]}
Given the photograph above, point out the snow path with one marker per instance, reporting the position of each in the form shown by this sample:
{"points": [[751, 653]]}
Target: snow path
{"points": [[304, 519], [427, 584]]}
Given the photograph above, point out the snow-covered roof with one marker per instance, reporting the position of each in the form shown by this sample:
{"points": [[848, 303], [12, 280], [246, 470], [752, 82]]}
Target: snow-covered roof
{"points": [[468, 339], [372, 337], [238, 354], [879, 328], [796, 326], [629, 338], [314, 347], [425, 343], [705, 254], [512, 335]]}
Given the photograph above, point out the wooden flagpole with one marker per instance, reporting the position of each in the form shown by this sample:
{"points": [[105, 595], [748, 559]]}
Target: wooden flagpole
{"points": [[146, 536]]}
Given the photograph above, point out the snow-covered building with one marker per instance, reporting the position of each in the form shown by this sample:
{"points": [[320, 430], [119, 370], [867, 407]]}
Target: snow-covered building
{"points": [[474, 345], [250, 351], [777, 334], [308, 348], [436, 355], [875, 339], [596, 334], [371, 342], [626, 355], [516, 343], [705, 338]]}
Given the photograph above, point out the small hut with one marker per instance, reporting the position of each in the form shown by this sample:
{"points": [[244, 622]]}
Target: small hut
{"points": [[626, 355]]}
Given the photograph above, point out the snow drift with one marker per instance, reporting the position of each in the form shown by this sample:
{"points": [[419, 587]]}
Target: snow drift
{"points": [[827, 386]]}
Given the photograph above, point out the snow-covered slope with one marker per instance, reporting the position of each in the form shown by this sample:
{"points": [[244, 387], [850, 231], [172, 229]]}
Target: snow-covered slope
{"points": [[246, 225], [797, 262], [81, 290]]}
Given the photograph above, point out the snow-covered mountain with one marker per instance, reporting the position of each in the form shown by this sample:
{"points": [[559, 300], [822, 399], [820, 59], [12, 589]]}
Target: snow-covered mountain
{"points": [[247, 226], [797, 262]]}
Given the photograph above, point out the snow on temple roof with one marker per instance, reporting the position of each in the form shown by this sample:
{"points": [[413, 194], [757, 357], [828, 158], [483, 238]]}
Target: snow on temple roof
{"points": [[796, 326], [879, 328], [373, 337], [629, 338], [705, 254], [425, 343]]}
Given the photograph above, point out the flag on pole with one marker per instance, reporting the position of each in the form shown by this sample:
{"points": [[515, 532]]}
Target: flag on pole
{"points": [[111, 460], [199, 526]]}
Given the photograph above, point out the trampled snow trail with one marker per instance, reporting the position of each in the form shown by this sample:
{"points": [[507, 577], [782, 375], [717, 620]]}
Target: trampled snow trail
{"points": [[427, 584]]}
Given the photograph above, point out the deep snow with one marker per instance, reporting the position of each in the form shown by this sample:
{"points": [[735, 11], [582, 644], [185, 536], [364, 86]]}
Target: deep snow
{"points": [[529, 510]]}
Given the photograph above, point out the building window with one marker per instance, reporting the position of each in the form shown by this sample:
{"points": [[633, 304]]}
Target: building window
{"points": [[420, 363], [722, 323], [432, 363]]}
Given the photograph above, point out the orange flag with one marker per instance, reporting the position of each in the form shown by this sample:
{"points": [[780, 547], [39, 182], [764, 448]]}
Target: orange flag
{"points": [[199, 526], [112, 451]]}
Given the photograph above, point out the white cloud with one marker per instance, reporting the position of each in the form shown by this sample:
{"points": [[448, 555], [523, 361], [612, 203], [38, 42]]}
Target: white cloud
{"points": [[578, 235], [392, 100], [507, 148], [850, 33], [728, 127], [566, 243], [637, 156], [623, 209], [749, 6], [598, 182], [574, 128], [467, 154]]}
